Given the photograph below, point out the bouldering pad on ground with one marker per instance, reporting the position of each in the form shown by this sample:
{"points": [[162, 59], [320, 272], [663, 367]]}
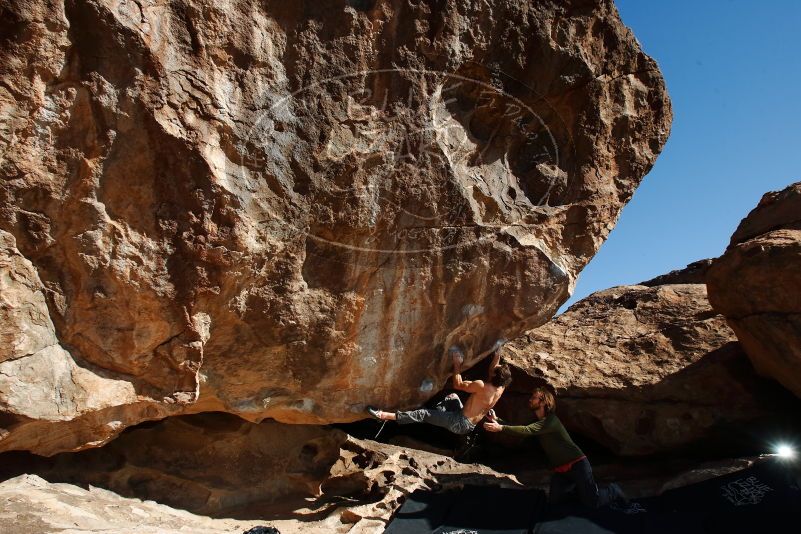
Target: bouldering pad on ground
{"points": [[763, 498]]}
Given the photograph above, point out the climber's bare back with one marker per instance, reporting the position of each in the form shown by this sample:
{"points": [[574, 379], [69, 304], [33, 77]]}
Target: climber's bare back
{"points": [[482, 399]]}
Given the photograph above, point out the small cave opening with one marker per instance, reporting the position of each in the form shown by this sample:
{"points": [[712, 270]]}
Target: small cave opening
{"points": [[309, 451], [16, 463]]}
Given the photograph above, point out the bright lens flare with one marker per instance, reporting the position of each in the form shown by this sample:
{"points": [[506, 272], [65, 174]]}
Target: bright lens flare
{"points": [[785, 451]]}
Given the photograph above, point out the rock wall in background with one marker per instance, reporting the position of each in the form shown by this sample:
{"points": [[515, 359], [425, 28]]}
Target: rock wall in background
{"points": [[291, 210], [645, 369], [756, 285]]}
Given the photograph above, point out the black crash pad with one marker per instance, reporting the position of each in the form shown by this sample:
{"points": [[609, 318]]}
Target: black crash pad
{"points": [[763, 498], [474, 509], [423, 511], [490, 510]]}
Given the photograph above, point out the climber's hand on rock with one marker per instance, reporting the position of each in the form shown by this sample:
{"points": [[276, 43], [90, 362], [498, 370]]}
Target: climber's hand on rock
{"points": [[456, 356]]}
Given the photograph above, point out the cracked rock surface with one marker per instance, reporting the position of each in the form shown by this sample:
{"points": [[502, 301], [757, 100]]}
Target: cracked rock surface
{"points": [[291, 210], [756, 285], [644, 369]]}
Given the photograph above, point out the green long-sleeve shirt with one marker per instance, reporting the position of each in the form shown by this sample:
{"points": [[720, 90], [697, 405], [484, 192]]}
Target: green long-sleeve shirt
{"points": [[553, 437]]}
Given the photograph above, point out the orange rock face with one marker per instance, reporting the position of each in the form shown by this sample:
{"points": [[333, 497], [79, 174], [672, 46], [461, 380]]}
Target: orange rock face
{"points": [[756, 284], [291, 210]]}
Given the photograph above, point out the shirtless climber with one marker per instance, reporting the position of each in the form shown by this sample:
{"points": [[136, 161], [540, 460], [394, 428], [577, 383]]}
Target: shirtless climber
{"points": [[450, 413]]}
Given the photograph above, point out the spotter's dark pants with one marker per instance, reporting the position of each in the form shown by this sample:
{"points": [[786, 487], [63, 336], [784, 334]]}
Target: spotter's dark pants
{"points": [[580, 480]]}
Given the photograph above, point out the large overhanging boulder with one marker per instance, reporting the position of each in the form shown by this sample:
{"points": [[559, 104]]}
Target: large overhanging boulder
{"points": [[756, 284], [292, 209], [644, 369]]}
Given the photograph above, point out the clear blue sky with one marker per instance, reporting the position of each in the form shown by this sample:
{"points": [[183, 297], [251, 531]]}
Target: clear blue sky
{"points": [[733, 72]]}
